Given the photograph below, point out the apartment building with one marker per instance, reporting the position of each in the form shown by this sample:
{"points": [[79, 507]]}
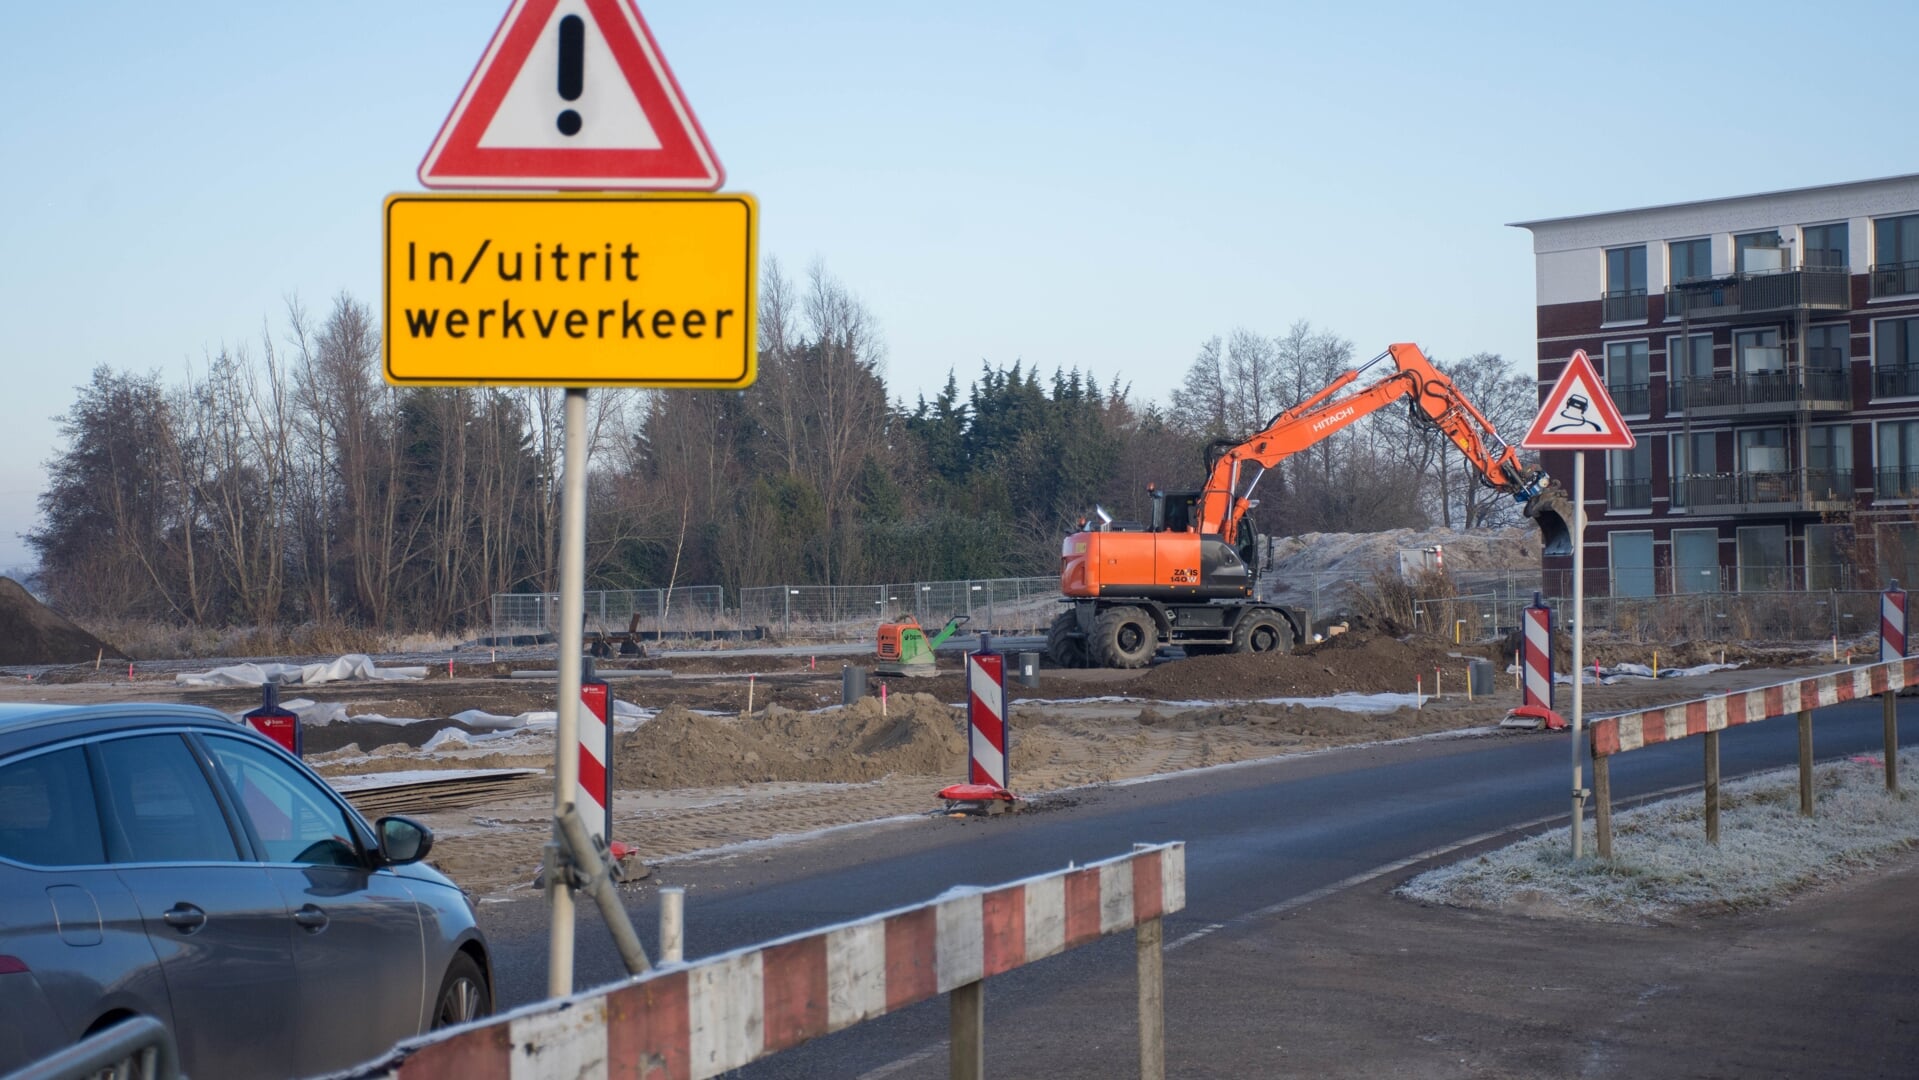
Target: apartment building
{"points": [[1765, 351]]}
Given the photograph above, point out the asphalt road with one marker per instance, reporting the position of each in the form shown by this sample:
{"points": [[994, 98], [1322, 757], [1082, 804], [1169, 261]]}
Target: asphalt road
{"points": [[1259, 837]]}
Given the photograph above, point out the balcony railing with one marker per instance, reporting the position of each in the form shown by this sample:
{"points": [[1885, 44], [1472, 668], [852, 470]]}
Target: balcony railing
{"points": [[1625, 305], [1632, 494], [1823, 288], [1897, 482], [1895, 380], [1763, 391], [1895, 279], [1633, 399], [1770, 492]]}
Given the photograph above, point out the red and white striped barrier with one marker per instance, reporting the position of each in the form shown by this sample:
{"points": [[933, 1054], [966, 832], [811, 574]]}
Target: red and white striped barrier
{"points": [[1631, 731], [1892, 624], [1536, 657], [700, 1020], [986, 718], [593, 794]]}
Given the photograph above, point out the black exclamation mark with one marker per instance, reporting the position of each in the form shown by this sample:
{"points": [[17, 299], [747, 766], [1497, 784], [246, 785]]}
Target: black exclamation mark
{"points": [[572, 69]]}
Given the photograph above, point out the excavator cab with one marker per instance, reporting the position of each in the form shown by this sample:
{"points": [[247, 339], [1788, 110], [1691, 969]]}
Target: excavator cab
{"points": [[1174, 511]]}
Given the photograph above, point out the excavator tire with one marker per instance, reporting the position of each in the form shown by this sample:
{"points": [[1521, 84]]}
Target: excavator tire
{"points": [[1263, 631], [1124, 637], [1064, 647]]}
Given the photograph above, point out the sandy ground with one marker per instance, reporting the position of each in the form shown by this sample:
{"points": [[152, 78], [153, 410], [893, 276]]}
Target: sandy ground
{"points": [[701, 772]]}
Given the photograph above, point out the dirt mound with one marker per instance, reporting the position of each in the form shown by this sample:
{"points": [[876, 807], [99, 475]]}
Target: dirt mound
{"points": [[681, 748], [32, 633], [1354, 662]]}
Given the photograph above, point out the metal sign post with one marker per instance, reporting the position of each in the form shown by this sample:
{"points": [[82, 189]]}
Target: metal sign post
{"points": [[566, 736], [1579, 641], [1578, 414]]}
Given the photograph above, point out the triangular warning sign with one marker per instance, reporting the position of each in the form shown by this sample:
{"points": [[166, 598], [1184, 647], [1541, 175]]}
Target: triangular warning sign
{"points": [[1578, 414], [572, 94]]}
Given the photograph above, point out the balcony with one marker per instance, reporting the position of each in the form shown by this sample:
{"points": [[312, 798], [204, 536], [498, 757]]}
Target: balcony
{"points": [[1818, 390], [1895, 380], [1898, 482], [1629, 494], [1625, 305], [1632, 399], [1895, 279], [1798, 492], [1813, 288]]}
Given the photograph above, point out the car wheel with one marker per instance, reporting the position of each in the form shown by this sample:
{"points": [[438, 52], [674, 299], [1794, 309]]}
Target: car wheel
{"points": [[463, 994]]}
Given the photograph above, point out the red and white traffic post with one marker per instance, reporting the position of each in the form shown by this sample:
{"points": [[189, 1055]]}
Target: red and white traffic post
{"points": [[1892, 623], [1578, 415], [988, 736], [593, 793]]}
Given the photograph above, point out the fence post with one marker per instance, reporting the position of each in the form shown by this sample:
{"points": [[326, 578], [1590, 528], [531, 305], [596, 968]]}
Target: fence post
{"points": [[1712, 787], [1892, 741], [672, 925], [967, 1011], [1148, 939], [1602, 803], [1805, 762]]}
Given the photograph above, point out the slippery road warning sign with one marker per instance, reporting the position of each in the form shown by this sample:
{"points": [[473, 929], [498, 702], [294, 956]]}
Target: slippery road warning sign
{"points": [[1578, 414], [572, 94], [571, 290]]}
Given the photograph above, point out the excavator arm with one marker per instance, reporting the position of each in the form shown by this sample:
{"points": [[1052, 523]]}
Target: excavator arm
{"points": [[1235, 472]]}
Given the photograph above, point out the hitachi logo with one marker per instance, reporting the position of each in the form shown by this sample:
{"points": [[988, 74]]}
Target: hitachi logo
{"points": [[1325, 422]]}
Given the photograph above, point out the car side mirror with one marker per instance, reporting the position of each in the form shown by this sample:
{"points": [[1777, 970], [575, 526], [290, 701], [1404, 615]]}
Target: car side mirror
{"points": [[403, 840]]}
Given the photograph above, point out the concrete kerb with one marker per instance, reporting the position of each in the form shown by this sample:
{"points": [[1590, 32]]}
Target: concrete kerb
{"points": [[702, 1019]]}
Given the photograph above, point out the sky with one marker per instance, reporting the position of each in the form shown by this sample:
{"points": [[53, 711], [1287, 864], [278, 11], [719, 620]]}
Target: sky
{"points": [[1100, 186]]}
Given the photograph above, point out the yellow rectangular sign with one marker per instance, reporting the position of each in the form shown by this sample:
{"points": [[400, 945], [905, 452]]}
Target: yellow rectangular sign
{"points": [[572, 290]]}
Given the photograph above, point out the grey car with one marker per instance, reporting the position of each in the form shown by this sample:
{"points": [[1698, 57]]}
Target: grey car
{"points": [[163, 861]]}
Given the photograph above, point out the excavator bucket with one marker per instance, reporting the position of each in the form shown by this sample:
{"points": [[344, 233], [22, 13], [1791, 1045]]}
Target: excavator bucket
{"points": [[1552, 511]]}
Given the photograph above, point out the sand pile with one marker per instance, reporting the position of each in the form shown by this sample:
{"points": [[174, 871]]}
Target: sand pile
{"points": [[1355, 662], [32, 633], [681, 748]]}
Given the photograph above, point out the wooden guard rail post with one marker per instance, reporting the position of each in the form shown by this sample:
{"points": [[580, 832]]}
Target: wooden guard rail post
{"points": [[703, 1019], [1612, 735]]}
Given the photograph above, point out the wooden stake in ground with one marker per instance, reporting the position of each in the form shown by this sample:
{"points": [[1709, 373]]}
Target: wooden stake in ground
{"points": [[1712, 787], [1805, 762], [1892, 741], [1602, 803], [966, 1008]]}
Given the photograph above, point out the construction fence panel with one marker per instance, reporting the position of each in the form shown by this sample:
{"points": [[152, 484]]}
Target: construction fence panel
{"points": [[688, 607]]}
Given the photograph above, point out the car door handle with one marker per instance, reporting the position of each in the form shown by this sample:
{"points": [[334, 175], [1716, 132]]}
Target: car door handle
{"points": [[311, 918], [184, 917]]}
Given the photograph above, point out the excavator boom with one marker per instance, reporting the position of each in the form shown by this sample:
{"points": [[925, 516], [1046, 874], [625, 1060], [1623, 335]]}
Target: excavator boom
{"points": [[1435, 399]]}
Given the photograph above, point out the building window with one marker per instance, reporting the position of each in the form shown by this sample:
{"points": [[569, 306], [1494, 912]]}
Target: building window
{"points": [[1762, 450], [1762, 558], [1694, 466], [1827, 556], [1688, 363], [1695, 560], [1895, 358], [1827, 245], [1829, 347], [1629, 477], [1631, 562], [1688, 260], [1829, 461], [1758, 252], [1898, 464], [1898, 552], [1758, 353], [1625, 298], [1895, 256], [1629, 377]]}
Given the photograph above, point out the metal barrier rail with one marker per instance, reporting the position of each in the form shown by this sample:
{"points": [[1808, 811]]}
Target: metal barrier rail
{"points": [[1614, 735], [702, 1019], [139, 1048]]}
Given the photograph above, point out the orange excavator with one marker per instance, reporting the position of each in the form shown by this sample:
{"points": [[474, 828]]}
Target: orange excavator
{"points": [[1187, 578]]}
